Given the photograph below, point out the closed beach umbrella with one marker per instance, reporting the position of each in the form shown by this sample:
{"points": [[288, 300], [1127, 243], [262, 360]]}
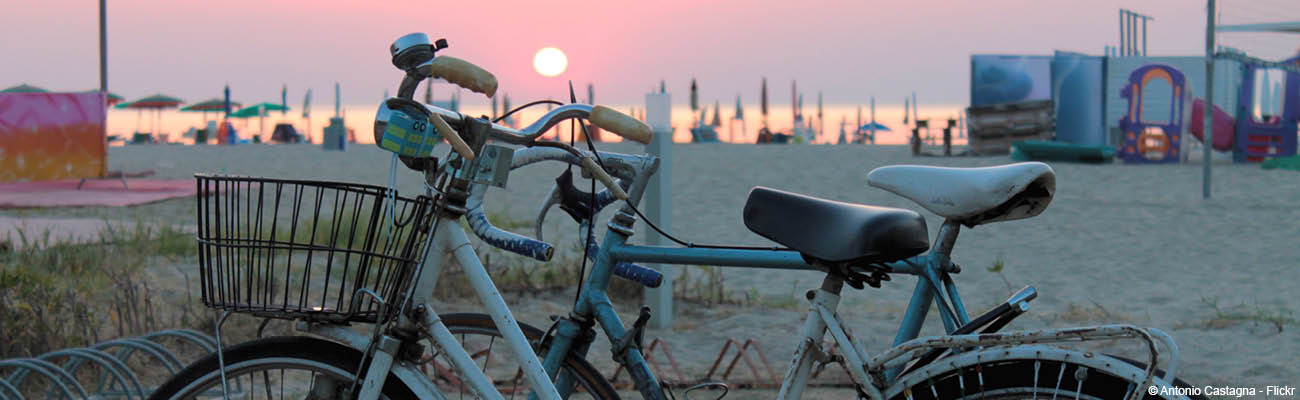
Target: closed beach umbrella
{"points": [[23, 88], [226, 106], [284, 100], [695, 96], [763, 102]]}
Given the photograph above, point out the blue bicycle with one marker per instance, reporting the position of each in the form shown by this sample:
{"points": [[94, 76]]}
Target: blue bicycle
{"points": [[861, 246]]}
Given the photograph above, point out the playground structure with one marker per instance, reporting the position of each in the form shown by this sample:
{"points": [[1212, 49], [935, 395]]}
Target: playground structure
{"points": [[1271, 135], [1152, 141], [1247, 122], [109, 365]]}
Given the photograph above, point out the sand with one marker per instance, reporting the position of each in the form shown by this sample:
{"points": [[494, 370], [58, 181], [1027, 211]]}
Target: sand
{"points": [[1119, 243]]}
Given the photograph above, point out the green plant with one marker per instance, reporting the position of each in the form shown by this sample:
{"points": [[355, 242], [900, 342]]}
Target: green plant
{"points": [[1278, 317], [997, 268]]}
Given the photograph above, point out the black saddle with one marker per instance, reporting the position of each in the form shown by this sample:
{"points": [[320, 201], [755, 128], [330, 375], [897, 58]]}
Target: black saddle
{"points": [[833, 232]]}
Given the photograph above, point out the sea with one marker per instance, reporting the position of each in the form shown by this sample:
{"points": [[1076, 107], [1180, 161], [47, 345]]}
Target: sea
{"points": [[173, 124]]}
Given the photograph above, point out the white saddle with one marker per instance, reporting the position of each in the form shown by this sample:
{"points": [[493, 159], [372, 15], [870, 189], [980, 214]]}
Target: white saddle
{"points": [[972, 196]]}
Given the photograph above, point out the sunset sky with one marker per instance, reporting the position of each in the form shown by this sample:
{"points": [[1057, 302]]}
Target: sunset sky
{"points": [[848, 49]]}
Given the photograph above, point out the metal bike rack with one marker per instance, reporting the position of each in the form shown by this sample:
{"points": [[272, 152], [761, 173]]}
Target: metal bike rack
{"points": [[60, 368]]}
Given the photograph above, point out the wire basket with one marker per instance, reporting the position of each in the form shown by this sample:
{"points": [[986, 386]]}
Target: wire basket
{"points": [[306, 249]]}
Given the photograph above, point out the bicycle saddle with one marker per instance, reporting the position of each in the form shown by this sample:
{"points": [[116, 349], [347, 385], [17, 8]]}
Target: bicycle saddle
{"points": [[972, 196], [835, 232]]}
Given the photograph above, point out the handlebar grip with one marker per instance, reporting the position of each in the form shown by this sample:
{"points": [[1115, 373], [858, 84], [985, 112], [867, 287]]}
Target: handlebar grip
{"points": [[464, 74], [505, 240], [452, 136], [629, 128], [636, 273], [599, 173]]}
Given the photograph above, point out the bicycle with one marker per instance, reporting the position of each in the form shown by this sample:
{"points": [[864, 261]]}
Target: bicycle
{"points": [[329, 254], [860, 245]]}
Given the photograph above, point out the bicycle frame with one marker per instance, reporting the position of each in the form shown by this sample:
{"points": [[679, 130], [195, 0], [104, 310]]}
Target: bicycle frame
{"points": [[449, 238]]}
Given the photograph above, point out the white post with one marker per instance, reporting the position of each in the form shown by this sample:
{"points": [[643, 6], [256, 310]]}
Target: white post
{"points": [[658, 204]]}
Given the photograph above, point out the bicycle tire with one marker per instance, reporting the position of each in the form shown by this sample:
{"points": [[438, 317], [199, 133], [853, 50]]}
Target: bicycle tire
{"points": [[585, 375], [202, 379], [995, 377]]}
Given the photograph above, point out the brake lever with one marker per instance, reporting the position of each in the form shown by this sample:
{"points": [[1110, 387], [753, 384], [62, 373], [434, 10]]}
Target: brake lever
{"points": [[552, 198]]}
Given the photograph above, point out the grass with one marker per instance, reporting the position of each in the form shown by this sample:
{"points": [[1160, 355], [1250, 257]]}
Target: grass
{"points": [[56, 294], [1223, 317]]}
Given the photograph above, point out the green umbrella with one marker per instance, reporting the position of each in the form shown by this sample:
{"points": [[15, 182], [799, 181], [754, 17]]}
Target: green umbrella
{"points": [[258, 110], [252, 110], [23, 88]]}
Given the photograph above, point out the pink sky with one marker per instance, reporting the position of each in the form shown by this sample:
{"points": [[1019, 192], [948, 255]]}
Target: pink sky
{"points": [[850, 50]]}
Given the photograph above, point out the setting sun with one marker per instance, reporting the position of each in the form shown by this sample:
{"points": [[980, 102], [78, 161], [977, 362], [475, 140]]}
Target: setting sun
{"points": [[550, 62]]}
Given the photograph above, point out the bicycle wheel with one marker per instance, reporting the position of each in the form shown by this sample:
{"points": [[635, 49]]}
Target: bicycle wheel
{"points": [[481, 339], [1047, 374], [278, 367]]}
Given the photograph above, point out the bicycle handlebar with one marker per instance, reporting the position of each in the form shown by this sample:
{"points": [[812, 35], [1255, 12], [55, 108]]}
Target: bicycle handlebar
{"points": [[622, 165]]}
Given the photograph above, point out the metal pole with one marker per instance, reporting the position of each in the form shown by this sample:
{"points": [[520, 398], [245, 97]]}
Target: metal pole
{"points": [[1209, 97], [103, 47], [1144, 36], [1132, 34], [1121, 32]]}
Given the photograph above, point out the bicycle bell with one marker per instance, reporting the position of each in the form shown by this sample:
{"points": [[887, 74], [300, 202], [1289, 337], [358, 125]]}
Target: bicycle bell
{"points": [[414, 49]]}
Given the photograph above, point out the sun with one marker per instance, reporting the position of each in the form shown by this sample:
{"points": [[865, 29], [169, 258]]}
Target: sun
{"points": [[550, 62]]}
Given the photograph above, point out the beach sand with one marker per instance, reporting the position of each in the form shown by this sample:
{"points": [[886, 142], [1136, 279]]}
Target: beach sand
{"points": [[1119, 244]]}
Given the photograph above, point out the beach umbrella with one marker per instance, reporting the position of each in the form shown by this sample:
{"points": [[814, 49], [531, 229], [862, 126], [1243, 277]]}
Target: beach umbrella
{"points": [[740, 112], [505, 105], [306, 113], [717, 114], [226, 105], [112, 98], [256, 110], [156, 103], [695, 96], [23, 88], [763, 104], [207, 106], [795, 102], [876, 126], [859, 120], [284, 100], [906, 107]]}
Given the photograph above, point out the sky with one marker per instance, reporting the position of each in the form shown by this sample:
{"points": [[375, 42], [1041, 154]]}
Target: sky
{"points": [[849, 50]]}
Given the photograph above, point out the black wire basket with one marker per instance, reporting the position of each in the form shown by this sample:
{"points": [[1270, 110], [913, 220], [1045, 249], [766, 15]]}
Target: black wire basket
{"points": [[298, 249]]}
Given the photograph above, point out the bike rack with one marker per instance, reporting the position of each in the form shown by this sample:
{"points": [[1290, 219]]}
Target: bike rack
{"points": [[115, 377], [759, 380], [663, 347]]}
